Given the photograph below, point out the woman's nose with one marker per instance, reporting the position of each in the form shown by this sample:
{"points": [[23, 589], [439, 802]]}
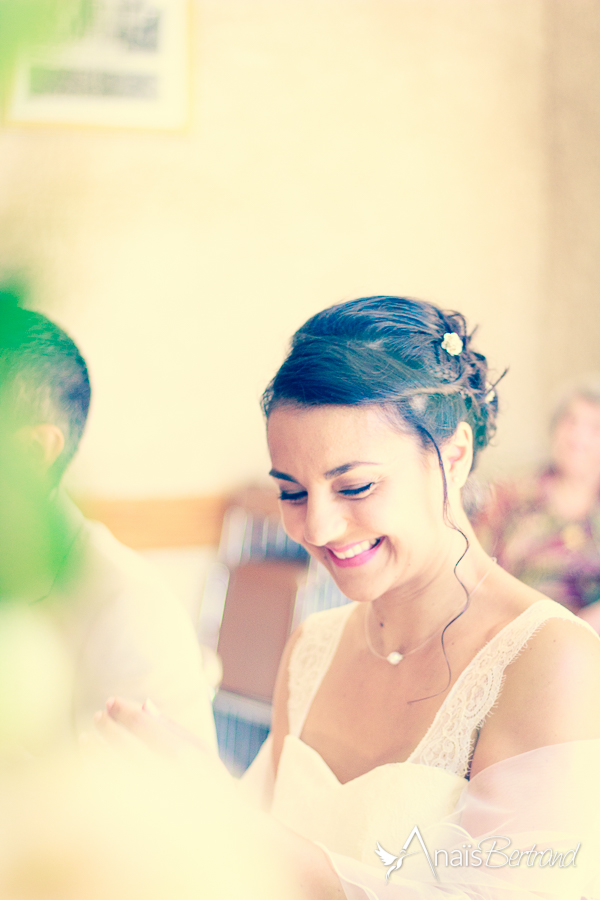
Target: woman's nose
{"points": [[323, 522]]}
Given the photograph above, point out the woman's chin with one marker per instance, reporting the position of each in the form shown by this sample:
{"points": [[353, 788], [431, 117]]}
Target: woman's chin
{"points": [[365, 597], [353, 589]]}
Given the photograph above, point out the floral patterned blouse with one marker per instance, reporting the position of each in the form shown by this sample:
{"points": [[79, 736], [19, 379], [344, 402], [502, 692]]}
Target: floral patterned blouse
{"points": [[558, 557]]}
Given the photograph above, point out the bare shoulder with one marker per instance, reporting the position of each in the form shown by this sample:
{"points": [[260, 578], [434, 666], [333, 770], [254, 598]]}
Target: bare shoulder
{"points": [[562, 657], [550, 695], [280, 724]]}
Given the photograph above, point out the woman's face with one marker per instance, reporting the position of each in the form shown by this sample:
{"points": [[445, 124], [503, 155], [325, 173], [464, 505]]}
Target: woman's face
{"points": [[362, 498], [576, 440]]}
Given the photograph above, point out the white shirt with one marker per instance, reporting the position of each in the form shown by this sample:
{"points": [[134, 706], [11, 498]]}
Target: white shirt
{"points": [[126, 634]]}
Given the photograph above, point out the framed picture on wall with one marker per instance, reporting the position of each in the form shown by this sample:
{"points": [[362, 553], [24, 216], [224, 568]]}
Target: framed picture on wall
{"points": [[129, 67]]}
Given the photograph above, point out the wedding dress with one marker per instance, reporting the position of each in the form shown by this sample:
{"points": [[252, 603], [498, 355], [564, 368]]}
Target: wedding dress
{"points": [[547, 797]]}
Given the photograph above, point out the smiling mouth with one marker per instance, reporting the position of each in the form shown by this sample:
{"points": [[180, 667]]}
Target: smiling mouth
{"points": [[355, 549]]}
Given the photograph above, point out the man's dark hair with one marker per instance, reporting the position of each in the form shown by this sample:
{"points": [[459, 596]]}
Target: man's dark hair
{"points": [[43, 377]]}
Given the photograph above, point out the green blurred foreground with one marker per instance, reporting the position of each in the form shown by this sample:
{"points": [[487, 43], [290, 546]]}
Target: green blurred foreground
{"points": [[25, 24]]}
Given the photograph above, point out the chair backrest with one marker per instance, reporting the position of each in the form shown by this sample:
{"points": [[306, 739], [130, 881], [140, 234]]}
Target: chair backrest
{"points": [[250, 595], [255, 593], [256, 624]]}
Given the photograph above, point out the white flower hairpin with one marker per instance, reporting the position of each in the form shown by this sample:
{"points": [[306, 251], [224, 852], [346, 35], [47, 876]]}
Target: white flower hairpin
{"points": [[452, 344]]}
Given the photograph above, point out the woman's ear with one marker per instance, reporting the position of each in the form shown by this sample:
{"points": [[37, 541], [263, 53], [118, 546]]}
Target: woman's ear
{"points": [[457, 455], [44, 442]]}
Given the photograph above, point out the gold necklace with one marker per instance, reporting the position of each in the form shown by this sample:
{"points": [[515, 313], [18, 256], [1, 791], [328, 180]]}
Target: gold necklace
{"points": [[395, 656]]}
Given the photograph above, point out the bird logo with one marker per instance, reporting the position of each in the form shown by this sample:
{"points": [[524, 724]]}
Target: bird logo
{"points": [[388, 859], [394, 861]]}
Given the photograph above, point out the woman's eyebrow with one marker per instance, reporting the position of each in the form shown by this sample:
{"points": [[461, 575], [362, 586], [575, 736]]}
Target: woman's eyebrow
{"points": [[332, 473], [282, 476], [341, 470]]}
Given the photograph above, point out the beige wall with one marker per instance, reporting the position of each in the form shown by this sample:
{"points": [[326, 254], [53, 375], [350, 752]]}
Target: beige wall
{"points": [[572, 274], [339, 147]]}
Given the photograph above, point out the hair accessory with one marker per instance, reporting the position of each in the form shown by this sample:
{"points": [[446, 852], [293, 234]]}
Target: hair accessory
{"points": [[452, 344], [490, 396]]}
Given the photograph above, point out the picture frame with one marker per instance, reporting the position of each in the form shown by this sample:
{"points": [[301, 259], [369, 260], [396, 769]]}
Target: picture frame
{"points": [[129, 68]]}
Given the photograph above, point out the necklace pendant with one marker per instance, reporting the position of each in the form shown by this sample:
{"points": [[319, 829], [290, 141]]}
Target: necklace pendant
{"points": [[394, 658]]}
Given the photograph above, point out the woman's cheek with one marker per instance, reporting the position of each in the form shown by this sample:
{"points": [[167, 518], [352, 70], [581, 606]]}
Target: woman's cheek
{"points": [[379, 512]]}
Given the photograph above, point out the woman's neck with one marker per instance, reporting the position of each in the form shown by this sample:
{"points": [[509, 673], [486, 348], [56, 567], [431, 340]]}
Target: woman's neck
{"points": [[407, 615]]}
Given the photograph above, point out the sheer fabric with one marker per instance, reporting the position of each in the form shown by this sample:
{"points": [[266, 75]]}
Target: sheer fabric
{"points": [[549, 797], [545, 800]]}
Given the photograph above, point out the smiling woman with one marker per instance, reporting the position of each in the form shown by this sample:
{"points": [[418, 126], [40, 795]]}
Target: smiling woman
{"points": [[371, 393], [387, 709], [449, 706]]}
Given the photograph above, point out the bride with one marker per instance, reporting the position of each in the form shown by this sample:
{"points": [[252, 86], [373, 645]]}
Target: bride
{"points": [[450, 713]]}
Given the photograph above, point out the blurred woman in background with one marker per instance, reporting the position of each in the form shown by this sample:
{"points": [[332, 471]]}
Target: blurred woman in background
{"points": [[545, 528]]}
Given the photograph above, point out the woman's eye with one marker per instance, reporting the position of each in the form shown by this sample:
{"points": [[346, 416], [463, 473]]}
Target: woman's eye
{"points": [[356, 492], [293, 497]]}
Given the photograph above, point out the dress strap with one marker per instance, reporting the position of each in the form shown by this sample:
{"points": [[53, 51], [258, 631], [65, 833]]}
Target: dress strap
{"points": [[310, 659], [448, 744]]}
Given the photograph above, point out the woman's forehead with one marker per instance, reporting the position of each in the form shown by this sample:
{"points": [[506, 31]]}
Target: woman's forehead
{"points": [[323, 419], [331, 436]]}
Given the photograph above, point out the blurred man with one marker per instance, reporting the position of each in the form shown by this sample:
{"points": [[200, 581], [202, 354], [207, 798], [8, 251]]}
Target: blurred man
{"points": [[124, 633]]}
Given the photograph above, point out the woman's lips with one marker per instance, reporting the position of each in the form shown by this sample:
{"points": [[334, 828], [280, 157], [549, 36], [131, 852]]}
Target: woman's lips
{"points": [[358, 560]]}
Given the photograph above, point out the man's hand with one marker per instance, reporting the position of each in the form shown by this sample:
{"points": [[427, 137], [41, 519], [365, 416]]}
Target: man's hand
{"points": [[122, 720]]}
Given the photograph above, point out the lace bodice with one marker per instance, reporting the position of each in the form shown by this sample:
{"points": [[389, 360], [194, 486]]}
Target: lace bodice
{"points": [[448, 742]]}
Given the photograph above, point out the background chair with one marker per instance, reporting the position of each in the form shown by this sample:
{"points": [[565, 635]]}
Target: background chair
{"points": [[246, 617], [261, 587]]}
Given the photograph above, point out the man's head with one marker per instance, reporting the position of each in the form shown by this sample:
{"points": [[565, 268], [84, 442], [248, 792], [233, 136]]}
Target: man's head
{"points": [[44, 385]]}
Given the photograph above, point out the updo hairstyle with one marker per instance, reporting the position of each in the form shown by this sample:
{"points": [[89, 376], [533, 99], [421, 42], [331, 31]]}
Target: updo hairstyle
{"points": [[387, 351]]}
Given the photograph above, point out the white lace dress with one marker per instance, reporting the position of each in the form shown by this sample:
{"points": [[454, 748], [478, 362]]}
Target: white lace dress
{"points": [[428, 790]]}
